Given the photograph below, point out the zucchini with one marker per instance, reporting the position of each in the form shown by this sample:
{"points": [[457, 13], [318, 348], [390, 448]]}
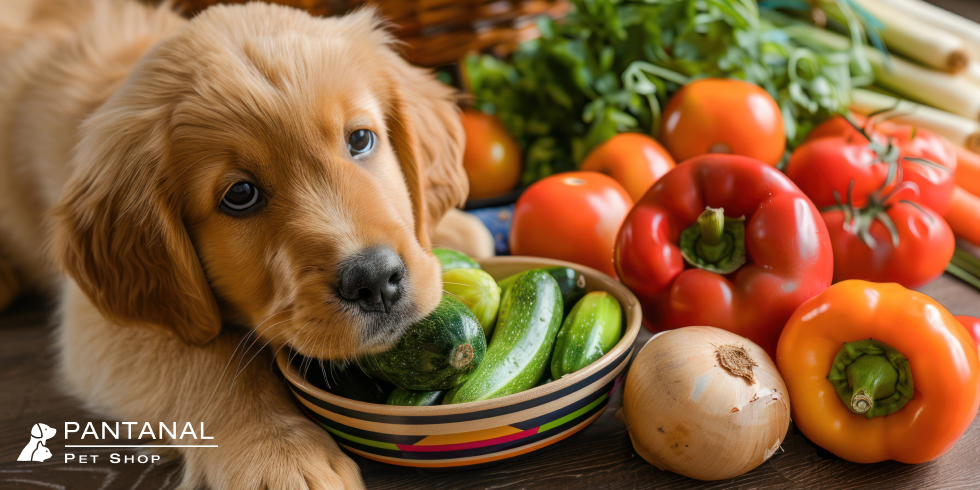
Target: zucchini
{"points": [[570, 281], [448, 399], [590, 330], [529, 318], [435, 353], [478, 291], [408, 398], [451, 259]]}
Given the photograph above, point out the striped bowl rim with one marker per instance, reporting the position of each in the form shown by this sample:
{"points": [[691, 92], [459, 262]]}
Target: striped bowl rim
{"points": [[595, 281], [481, 433]]}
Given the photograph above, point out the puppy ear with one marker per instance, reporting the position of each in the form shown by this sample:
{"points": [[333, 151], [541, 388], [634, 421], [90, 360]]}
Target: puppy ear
{"points": [[117, 228], [428, 137], [36, 431]]}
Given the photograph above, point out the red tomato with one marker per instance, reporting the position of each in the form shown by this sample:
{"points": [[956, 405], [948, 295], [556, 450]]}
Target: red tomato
{"points": [[925, 245], [635, 160], [826, 166], [972, 325], [571, 216], [836, 154], [837, 126], [935, 184], [492, 158], [716, 115]]}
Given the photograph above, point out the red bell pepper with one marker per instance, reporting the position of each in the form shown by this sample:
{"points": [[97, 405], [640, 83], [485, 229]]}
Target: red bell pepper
{"points": [[972, 326], [746, 275]]}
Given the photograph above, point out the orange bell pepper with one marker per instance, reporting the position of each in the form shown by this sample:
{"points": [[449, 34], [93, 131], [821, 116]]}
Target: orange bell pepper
{"points": [[903, 356]]}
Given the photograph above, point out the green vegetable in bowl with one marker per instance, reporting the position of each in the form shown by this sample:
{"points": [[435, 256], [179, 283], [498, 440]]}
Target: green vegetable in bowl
{"points": [[570, 281], [406, 398], [436, 353], [477, 291], [592, 328], [530, 315], [451, 259]]}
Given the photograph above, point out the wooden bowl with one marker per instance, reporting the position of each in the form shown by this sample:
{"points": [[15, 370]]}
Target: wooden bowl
{"points": [[487, 431]]}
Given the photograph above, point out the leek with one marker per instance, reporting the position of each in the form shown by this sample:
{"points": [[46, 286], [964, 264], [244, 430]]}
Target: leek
{"points": [[941, 90], [939, 18], [972, 72], [908, 36], [957, 129]]}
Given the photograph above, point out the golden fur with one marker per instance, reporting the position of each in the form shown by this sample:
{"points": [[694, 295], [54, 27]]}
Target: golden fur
{"points": [[124, 125]]}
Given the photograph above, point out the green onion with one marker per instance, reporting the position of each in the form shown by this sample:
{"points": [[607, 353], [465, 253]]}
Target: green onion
{"points": [[938, 89], [965, 266]]}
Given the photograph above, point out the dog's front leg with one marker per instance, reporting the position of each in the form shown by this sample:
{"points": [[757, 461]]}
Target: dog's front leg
{"points": [[144, 375]]}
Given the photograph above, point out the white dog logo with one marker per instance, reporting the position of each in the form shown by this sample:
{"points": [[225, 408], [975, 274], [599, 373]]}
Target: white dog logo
{"points": [[36, 450]]}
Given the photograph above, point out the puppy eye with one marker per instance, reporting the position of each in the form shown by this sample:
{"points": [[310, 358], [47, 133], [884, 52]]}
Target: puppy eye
{"points": [[360, 142], [242, 199]]}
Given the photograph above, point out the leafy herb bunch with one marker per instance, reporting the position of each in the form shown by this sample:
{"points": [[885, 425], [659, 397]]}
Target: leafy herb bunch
{"points": [[610, 65]]}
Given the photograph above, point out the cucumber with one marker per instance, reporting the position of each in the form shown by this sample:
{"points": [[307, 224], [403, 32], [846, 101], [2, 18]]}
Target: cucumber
{"points": [[448, 399], [415, 398], [529, 319], [478, 291], [592, 328], [347, 381], [451, 259], [436, 353], [570, 281]]}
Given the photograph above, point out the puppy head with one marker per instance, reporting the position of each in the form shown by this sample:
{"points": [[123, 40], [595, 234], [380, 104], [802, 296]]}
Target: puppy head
{"points": [[42, 431], [269, 169]]}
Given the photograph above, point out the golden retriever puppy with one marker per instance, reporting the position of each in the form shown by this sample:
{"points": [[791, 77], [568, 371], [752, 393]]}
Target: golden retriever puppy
{"points": [[252, 170]]}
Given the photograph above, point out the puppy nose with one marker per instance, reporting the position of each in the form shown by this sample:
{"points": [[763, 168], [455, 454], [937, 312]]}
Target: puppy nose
{"points": [[373, 279]]}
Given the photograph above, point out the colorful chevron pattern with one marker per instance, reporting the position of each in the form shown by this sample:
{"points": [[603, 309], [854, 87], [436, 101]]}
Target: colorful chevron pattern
{"points": [[472, 438]]}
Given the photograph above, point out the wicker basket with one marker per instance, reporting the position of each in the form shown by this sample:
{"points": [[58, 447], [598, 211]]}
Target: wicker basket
{"points": [[438, 31]]}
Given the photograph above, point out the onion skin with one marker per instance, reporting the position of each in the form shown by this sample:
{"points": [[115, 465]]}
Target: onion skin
{"points": [[687, 414]]}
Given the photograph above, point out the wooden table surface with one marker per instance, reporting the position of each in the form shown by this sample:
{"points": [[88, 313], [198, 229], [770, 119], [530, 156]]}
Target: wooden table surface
{"points": [[600, 456]]}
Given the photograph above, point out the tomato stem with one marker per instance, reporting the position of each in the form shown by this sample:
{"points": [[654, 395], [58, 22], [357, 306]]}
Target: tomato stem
{"points": [[714, 243], [871, 378]]}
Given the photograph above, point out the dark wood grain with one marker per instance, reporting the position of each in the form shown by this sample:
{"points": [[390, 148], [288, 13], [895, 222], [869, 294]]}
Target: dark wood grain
{"points": [[599, 457]]}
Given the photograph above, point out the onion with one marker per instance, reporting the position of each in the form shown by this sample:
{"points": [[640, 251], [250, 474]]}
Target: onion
{"points": [[705, 403]]}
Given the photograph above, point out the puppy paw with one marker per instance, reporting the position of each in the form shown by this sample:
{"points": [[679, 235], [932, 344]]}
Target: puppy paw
{"points": [[462, 231], [292, 454]]}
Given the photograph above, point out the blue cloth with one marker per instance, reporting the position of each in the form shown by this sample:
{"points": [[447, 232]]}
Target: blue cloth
{"points": [[497, 220]]}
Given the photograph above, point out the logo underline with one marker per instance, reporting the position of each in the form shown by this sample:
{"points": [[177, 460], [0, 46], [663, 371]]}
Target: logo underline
{"points": [[141, 445]]}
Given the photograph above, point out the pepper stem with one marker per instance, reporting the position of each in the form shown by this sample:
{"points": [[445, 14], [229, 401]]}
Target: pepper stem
{"points": [[871, 378], [714, 243], [712, 223]]}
